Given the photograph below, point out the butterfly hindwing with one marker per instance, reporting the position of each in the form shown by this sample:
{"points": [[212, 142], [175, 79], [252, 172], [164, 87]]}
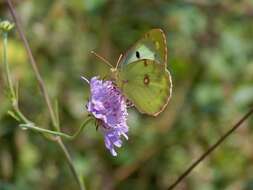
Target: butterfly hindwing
{"points": [[147, 84], [152, 46]]}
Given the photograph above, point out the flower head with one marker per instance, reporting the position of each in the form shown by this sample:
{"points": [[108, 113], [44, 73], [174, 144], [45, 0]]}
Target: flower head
{"points": [[108, 106]]}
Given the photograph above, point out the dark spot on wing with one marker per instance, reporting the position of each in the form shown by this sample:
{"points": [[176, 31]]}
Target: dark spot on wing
{"points": [[146, 79], [138, 55]]}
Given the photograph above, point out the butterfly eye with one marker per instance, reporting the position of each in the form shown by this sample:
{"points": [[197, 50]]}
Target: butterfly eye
{"points": [[138, 55]]}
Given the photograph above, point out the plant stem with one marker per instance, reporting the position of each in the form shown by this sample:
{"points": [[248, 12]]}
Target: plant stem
{"points": [[9, 80], [70, 163], [210, 150], [33, 63], [6, 65], [44, 92], [57, 133]]}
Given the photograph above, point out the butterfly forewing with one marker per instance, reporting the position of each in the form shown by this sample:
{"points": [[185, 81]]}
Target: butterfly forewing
{"points": [[152, 46], [147, 84]]}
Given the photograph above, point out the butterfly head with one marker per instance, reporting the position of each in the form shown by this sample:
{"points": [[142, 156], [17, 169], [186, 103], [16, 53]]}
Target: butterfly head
{"points": [[114, 70], [114, 73]]}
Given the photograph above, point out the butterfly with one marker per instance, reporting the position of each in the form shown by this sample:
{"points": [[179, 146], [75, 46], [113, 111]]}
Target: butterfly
{"points": [[142, 75]]}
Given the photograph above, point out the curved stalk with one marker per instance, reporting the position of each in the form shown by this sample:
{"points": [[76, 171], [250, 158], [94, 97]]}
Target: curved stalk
{"points": [[57, 133]]}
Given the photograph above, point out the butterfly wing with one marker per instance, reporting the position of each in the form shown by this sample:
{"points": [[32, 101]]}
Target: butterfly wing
{"points": [[152, 46], [147, 84]]}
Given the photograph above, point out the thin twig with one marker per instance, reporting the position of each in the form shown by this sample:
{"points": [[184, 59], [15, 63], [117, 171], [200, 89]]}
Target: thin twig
{"points": [[32, 62], [44, 92], [70, 162], [210, 150]]}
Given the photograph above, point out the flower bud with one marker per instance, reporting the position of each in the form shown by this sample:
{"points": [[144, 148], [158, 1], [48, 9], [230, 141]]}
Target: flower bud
{"points": [[6, 26]]}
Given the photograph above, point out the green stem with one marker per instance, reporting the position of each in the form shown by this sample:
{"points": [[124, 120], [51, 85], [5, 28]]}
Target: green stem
{"points": [[33, 64], [31, 126], [14, 100], [6, 65], [43, 90]]}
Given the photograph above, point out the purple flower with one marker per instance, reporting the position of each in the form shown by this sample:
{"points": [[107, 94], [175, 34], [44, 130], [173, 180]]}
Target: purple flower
{"points": [[108, 106]]}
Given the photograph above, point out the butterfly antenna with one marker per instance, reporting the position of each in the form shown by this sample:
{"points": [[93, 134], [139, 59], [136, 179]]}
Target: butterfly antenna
{"points": [[120, 57], [85, 79], [103, 59]]}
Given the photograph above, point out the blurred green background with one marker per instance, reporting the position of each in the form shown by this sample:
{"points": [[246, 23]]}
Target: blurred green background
{"points": [[210, 45]]}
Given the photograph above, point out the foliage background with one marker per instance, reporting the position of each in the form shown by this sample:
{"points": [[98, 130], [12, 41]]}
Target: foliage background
{"points": [[211, 60]]}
